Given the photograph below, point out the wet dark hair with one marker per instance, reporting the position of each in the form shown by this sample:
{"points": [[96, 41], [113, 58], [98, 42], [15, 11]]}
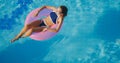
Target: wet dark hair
{"points": [[64, 10]]}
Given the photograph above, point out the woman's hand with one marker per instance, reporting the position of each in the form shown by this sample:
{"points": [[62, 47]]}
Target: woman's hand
{"points": [[36, 14], [45, 29]]}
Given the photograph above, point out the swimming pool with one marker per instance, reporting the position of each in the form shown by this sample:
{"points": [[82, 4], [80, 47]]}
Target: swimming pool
{"points": [[90, 33]]}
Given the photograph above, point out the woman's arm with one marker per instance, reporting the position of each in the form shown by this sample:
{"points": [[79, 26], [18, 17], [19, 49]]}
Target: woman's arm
{"points": [[51, 7], [39, 10], [48, 7]]}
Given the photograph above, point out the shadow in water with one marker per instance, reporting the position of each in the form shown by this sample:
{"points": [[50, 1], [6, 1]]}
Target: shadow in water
{"points": [[29, 51], [108, 25]]}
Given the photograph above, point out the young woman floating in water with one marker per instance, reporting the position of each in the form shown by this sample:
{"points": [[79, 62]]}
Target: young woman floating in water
{"points": [[41, 25]]}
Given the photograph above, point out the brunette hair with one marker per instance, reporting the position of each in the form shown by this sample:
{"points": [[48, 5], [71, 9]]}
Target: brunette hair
{"points": [[64, 10]]}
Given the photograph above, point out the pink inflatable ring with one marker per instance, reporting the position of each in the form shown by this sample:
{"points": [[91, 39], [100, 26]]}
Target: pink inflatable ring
{"points": [[40, 35]]}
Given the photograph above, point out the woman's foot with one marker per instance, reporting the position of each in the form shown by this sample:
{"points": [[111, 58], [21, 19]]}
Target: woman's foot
{"points": [[13, 40]]}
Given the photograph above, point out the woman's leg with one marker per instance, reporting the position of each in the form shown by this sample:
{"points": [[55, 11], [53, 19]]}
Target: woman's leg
{"points": [[31, 30], [26, 28]]}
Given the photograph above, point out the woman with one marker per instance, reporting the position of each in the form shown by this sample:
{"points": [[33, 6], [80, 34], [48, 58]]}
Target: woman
{"points": [[41, 25]]}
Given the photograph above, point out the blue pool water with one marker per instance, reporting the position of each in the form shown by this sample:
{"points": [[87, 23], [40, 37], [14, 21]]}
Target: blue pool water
{"points": [[90, 33]]}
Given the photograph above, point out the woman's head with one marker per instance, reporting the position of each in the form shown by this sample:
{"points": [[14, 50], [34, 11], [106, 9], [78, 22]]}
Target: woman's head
{"points": [[63, 9]]}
